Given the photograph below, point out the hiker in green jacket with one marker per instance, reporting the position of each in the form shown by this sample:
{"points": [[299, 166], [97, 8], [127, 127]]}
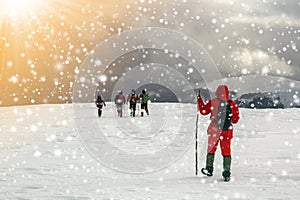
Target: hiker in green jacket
{"points": [[144, 102]]}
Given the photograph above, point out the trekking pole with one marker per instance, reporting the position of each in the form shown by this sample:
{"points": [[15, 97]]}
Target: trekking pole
{"points": [[124, 110], [196, 139]]}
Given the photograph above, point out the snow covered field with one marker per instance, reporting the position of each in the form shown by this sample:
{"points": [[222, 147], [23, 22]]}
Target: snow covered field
{"points": [[45, 155]]}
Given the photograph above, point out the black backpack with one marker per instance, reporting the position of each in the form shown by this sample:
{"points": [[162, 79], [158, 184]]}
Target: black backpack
{"points": [[133, 96], [224, 116]]}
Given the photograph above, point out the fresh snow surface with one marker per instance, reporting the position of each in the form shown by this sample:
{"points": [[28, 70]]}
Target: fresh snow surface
{"points": [[45, 155]]}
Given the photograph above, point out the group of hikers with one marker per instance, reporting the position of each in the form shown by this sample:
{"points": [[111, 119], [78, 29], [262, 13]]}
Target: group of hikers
{"points": [[223, 112], [120, 100]]}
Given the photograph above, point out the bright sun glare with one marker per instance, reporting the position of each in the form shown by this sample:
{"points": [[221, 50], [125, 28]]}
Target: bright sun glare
{"points": [[14, 8]]}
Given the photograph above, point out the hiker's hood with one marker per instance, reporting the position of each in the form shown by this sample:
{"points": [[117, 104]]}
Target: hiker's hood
{"points": [[222, 93]]}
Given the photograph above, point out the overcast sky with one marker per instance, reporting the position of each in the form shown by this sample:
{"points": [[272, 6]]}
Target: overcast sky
{"points": [[260, 37]]}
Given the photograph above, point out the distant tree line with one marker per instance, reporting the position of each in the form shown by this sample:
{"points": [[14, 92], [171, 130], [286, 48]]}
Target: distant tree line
{"points": [[259, 100], [251, 100]]}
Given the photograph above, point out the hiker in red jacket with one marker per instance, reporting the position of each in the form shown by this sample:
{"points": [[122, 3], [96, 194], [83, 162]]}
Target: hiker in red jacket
{"points": [[119, 101], [223, 113]]}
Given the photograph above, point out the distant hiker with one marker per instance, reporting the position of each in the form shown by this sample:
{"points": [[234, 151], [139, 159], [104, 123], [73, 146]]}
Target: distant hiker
{"points": [[99, 103], [119, 101], [144, 102], [132, 99], [224, 112]]}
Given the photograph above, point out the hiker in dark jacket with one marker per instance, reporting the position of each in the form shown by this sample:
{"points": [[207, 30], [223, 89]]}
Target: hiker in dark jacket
{"points": [[99, 103], [132, 99]]}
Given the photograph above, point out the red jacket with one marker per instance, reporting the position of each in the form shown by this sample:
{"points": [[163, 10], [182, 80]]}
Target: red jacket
{"points": [[132, 97], [211, 107]]}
